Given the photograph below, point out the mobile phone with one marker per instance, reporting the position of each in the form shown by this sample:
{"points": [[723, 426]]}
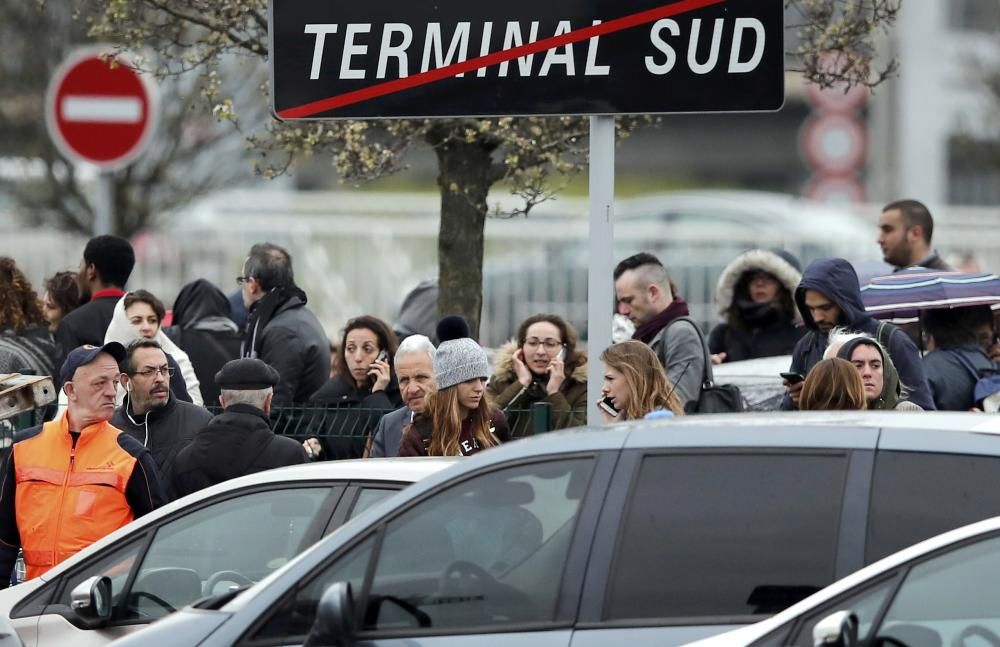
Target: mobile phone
{"points": [[793, 378], [561, 355], [382, 356], [609, 407]]}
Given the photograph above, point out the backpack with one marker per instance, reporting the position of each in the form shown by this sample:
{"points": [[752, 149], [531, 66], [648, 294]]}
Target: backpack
{"points": [[712, 398], [986, 384]]}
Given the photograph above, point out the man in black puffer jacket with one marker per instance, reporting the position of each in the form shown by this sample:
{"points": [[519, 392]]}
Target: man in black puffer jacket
{"points": [[151, 414], [239, 440]]}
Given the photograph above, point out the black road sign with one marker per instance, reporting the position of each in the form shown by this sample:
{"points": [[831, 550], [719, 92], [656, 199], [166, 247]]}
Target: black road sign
{"points": [[448, 58]]}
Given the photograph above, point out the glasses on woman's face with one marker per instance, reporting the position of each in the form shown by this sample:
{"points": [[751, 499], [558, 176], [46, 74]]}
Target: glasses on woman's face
{"points": [[550, 344]]}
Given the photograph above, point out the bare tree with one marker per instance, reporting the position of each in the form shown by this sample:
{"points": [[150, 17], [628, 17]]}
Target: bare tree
{"points": [[531, 155]]}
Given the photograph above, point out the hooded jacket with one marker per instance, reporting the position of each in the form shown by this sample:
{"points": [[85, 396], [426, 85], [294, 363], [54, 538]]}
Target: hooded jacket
{"points": [[236, 442], [121, 331], [202, 327], [892, 395], [769, 332], [836, 279], [284, 333], [569, 403], [952, 383], [164, 431]]}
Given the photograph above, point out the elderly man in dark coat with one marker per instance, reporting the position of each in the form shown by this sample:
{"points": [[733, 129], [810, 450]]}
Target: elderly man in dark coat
{"points": [[239, 440]]}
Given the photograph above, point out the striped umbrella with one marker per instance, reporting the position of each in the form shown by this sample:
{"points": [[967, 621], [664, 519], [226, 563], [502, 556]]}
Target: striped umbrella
{"points": [[904, 294]]}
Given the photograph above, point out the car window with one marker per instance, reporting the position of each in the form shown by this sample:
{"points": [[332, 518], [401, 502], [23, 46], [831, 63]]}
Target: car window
{"points": [[950, 599], [865, 604], [908, 505], [229, 543], [116, 565], [726, 534], [489, 550], [368, 497]]}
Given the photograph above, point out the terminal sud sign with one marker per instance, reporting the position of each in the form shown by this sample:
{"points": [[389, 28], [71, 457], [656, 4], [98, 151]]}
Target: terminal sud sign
{"points": [[99, 109], [449, 58]]}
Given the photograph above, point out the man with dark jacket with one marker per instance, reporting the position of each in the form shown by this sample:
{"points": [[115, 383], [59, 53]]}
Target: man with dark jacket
{"points": [[239, 440], [829, 296], [203, 328], [281, 331], [150, 413], [646, 295], [107, 263]]}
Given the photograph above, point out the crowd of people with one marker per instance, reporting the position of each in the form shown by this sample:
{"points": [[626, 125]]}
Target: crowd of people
{"points": [[135, 379]]}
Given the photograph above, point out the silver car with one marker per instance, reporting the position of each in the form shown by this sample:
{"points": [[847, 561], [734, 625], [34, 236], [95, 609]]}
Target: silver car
{"points": [[225, 536], [644, 533]]}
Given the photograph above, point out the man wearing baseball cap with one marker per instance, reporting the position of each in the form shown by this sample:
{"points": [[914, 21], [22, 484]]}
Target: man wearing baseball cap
{"points": [[71, 481]]}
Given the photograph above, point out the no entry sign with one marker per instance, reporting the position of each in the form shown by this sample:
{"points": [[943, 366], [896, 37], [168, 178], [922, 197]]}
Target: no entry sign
{"points": [[99, 111], [446, 58]]}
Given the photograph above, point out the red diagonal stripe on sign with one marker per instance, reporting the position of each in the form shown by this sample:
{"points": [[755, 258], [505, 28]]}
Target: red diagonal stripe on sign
{"points": [[423, 78]]}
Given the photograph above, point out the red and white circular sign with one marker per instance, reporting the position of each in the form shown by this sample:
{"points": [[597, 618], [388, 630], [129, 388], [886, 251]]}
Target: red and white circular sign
{"points": [[100, 111], [834, 144]]}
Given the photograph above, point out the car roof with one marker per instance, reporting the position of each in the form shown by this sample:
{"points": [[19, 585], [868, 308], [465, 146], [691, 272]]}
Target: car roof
{"points": [[389, 470]]}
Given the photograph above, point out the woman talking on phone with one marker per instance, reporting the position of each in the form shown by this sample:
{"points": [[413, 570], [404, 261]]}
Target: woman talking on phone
{"points": [[635, 384], [541, 365], [364, 381]]}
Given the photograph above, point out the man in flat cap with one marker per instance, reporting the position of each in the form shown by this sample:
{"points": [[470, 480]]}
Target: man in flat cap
{"points": [[239, 440], [69, 482]]}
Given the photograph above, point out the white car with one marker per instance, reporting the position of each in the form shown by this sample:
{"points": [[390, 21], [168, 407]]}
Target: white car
{"points": [[941, 591], [231, 534]]}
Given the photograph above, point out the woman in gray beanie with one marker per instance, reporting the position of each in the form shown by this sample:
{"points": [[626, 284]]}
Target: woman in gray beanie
{"points": [[458, 420]]}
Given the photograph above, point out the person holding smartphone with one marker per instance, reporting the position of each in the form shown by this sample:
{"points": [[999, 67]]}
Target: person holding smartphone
{"points": [[362, 391], [541, 364], [635, 384]]}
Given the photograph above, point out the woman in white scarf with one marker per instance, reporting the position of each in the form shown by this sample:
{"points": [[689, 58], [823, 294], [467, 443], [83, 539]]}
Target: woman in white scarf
{"points": [[143, 318]]}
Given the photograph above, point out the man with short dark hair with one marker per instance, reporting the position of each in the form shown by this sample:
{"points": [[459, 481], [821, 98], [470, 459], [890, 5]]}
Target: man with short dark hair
{"points": [[104, 270], [281, 330], [150, 413], [905, 231], [239, 440], [648, 297], [70, 482]]}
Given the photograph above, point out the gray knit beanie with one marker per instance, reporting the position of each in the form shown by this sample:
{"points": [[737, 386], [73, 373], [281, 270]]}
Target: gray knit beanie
{"points": [[459, 360]]}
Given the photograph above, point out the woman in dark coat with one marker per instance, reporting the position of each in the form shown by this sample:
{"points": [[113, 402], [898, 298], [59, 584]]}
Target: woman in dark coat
{"points": [[362, 391], [25, 340], [754, 294]]}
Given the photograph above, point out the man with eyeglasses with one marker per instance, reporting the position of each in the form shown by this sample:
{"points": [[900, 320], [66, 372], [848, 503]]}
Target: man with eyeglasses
{"points": [[281, 331], [150, 413], [70, 482]]}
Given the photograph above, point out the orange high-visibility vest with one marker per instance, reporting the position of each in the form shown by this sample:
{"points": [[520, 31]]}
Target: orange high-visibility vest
{"points": [[67, 497]]}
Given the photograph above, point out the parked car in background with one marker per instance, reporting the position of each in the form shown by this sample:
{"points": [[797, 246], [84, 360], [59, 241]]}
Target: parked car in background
{"points": [[942, 591], [647, 533], [231, 534]]}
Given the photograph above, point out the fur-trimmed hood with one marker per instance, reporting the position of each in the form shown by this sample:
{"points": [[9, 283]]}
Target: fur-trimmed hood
{"points": [[503, 363], [769, 261]]}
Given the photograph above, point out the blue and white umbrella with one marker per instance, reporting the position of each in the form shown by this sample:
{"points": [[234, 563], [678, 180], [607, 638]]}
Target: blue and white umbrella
{"points": [[906, 293]]}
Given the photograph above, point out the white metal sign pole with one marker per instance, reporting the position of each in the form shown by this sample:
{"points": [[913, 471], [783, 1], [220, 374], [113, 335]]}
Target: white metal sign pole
{"points": [[600, 287], [104, 204]]}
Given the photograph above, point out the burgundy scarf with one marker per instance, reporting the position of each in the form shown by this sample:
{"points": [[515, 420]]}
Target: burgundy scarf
{"points": [[677, 308]]}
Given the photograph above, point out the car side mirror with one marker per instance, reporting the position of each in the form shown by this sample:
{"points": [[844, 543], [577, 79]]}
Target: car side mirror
{"points": [[91, 601], [839, 629], [334, 624]]}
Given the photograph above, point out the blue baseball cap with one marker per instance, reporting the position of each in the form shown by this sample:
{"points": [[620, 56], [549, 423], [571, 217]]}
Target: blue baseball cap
{"points": [[85, 355]]}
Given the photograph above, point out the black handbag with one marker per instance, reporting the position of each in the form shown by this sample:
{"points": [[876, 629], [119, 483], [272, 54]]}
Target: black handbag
{"points": [[713, 398]]}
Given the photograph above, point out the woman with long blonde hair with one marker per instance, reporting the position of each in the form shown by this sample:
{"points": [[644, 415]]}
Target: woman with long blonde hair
{"points": [[458, 419], [635, 383]]}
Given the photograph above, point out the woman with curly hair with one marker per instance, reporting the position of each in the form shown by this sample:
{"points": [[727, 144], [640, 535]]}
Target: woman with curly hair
{"points": [[25, 340], [635, 384]]}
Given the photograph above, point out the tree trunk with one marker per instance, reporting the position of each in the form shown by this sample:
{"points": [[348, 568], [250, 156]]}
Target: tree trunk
{"points": [[464, 180]]}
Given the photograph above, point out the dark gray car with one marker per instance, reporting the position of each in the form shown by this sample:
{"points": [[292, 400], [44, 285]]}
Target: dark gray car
{"points": [[647, 533]]}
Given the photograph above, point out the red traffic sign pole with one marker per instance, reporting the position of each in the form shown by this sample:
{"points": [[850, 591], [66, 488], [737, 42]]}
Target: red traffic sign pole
{"points": [[100, 111]]}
